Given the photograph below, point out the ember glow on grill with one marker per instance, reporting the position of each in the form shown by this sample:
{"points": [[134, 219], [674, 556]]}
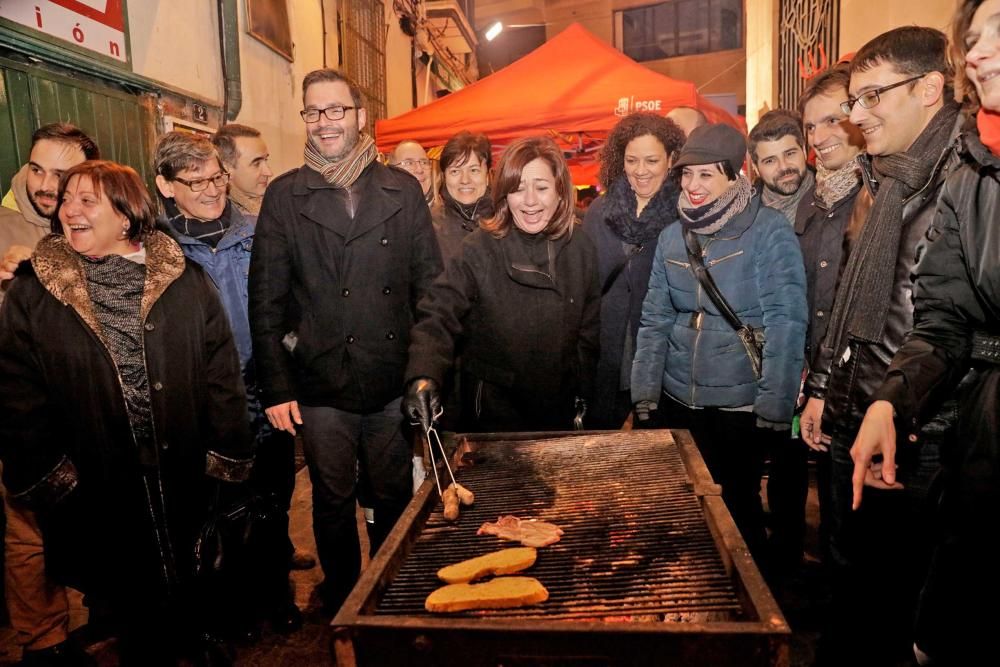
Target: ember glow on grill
{"points": [[635, 542], [650, 570]]}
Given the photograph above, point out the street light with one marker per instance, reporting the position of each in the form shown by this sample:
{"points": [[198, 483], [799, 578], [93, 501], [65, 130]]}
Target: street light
{"points": [[493, 31]]}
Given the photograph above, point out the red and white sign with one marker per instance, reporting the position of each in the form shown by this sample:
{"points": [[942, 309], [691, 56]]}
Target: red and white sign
{"points": [[97, 25]]}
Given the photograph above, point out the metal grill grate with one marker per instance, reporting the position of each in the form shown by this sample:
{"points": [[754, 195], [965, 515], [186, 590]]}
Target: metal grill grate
{"points": [[636, 545]]}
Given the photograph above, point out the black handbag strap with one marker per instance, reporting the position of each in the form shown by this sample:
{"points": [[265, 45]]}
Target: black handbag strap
{"points": [[708, 283], [615, 272]]}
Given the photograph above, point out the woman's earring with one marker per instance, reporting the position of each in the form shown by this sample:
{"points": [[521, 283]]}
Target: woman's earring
{"points": [[124, 232]]}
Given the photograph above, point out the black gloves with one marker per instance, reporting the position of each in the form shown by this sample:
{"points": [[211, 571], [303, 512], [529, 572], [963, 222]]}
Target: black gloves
{"points": [[422, 402]]}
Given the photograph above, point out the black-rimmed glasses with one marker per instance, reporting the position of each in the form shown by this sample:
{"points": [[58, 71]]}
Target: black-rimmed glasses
{"points": [[331, 113], [871, 99], [220, 180]]}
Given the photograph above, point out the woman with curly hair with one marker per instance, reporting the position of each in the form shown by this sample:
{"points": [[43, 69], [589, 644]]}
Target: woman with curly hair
{"points": [[624, 224]]}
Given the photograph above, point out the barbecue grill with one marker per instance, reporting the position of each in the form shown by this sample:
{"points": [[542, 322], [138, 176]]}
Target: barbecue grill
{"points": [[651, 569]]}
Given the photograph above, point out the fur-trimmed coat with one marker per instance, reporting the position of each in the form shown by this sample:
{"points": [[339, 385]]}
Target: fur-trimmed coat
{"points": [[118, 519]]}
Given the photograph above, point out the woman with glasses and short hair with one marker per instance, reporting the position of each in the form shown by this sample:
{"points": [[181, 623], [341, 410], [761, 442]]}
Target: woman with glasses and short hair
{"points": [[521, 302], [122, 401], [218, 235]]}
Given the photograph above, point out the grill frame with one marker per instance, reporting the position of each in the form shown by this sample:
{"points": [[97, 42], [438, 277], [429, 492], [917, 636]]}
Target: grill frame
{"points": [[362, 637]]}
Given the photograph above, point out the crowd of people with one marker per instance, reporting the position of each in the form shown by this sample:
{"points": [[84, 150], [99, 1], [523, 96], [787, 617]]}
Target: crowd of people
{"points": [[821, 289]]}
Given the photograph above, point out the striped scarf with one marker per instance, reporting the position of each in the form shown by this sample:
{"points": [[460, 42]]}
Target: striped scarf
{"points": [[343, 172]]}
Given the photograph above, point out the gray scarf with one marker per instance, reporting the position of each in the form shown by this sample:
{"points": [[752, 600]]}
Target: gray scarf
{"points": [[714, 215], [834, 185], [787, 204], [866, 285]]}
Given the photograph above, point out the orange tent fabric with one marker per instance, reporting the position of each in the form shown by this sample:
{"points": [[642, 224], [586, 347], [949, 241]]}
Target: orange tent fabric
{"points": [[574, 88]]}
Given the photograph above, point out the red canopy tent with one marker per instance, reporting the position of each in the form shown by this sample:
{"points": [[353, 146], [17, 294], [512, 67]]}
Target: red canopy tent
{"points": [[574, 88]]}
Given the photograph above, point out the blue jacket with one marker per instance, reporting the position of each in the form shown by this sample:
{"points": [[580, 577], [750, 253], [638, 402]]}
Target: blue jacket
{"points": [[757, 265], [228, 264]]}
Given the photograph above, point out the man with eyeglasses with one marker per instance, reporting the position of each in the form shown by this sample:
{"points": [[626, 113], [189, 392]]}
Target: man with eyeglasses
{"points": [[412, 157], [901, 97], [212, 232], [344, 251]]}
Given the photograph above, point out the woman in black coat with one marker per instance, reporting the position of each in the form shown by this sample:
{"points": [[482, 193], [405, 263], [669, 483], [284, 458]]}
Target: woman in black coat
{"points": [[956, 334], [624, 224], [464, 199], [520, 303], [121, 394]]}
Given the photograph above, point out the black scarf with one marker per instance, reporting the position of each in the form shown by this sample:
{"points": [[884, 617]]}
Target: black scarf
{"points": [[621, 205], [209, 232], [472, 213], [865, 290]]}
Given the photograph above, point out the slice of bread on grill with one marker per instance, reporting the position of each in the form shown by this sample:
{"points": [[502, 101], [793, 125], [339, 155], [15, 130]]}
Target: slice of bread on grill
{"points": [[505, 561], [499, 593]]}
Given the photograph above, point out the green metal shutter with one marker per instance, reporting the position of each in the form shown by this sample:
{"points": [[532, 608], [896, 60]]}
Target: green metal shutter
{"points": [[120, 122]]}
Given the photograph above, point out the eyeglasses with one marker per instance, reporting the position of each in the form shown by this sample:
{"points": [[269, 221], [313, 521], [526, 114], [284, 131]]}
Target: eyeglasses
{"points": [[220, 181], [410, 164], [331, 113], [871, 99]]}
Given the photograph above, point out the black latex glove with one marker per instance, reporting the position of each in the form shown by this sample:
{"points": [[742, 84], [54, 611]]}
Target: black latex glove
{"points": [[422, 402]]}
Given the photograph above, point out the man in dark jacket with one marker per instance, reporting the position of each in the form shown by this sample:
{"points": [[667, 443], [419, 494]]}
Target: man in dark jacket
{"points": [[778, 151], [829, 217], [901, 98], [344, 250]]}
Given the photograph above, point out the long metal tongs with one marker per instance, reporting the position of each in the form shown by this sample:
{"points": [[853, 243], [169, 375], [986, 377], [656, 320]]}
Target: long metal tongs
{"points": [[431, 434]]}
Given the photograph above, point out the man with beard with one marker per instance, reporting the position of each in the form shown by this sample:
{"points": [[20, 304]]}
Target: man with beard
{"points": [[244, 155], [344, 251], [902, 99], [24, 217], [777, 150], [38, 609], [828, 221]]}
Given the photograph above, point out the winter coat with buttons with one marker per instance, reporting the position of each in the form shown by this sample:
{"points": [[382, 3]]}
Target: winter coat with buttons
{"points": [[688, 350], [821, 231], [527, 331], [335, 277], [118, 519]]}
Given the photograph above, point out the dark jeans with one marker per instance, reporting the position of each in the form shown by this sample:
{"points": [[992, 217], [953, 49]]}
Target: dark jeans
{"points": [[963, 573], [787, 488], [273, 475], [338, 445], [733, 449], [879, 554]]}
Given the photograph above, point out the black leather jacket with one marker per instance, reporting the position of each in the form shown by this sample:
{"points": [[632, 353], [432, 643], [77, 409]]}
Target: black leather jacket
{"points": [[847, 378], [957, 292]]}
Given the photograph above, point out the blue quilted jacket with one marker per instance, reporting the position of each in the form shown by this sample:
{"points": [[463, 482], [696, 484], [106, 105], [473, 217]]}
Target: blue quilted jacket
{"points": [[756, 262]]}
